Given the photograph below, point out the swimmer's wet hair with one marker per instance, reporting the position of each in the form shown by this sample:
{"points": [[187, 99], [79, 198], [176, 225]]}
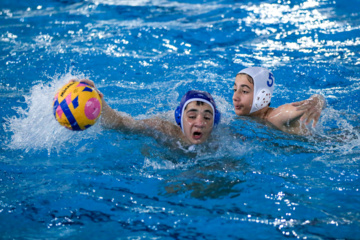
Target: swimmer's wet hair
{"points": [[198, 103], [249, 78]]}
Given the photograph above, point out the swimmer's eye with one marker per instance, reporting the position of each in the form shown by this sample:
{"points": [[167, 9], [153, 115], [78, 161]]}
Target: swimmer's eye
{"points": [[243, 91], [207, 118]]}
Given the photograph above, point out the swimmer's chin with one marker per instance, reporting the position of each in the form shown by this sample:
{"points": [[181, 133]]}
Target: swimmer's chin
{"points": [[240, 112], [197, 140]]}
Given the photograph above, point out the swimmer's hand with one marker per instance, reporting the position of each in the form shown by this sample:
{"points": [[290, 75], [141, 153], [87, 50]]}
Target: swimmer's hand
{"points": [[91, 83], [109, 117], [312, 108]]}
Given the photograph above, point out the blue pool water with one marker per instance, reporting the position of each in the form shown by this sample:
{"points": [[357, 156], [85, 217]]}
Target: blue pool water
{"points": [[249, 182]]}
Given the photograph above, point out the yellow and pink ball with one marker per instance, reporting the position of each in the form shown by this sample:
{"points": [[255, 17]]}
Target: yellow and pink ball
{"points": [[77, 106]]}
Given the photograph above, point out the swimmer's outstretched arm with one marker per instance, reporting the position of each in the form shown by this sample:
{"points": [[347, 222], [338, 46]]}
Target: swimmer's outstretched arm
{"points": [[113, 119], [289, 117], [311, 108]]}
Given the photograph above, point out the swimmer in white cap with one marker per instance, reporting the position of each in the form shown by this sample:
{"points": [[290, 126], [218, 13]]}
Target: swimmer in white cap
{"points": [[195, 119], [253, 89]]}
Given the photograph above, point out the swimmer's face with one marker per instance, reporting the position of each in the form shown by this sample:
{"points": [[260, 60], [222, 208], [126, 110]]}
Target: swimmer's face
{"points": [[243, 95], [198, 121]]}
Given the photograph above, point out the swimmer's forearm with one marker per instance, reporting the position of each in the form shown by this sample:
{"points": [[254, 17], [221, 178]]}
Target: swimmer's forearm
{"points": [[107, 115], [115, 120], [120, 121]]}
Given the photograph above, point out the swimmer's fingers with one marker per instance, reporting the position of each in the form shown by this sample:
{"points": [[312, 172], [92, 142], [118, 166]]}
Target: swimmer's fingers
{"points": [[315, 115], [100, 94], [305, 117], [311, 104], [309, 116], [83, 80], [302, 105], [296, 104], [316, 119], [312, 108], [92, 84]]}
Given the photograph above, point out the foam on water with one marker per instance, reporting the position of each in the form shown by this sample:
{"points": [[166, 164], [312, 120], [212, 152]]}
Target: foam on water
{"points": [[337, 135]]}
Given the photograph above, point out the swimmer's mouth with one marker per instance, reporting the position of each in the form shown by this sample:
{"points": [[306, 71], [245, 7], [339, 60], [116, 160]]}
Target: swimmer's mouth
{"points": [[238, 107], [197, 135]]}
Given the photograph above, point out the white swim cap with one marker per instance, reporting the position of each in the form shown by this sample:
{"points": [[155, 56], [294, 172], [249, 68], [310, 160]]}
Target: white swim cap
{"points": [[263, 86]]}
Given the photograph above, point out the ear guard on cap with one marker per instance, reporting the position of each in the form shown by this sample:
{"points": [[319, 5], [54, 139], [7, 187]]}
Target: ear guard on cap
{"points": [[217, 117], [178, 115], [262, 99]]}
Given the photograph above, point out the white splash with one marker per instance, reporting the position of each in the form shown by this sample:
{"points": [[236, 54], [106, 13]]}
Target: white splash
{"points": [[35, 127]]}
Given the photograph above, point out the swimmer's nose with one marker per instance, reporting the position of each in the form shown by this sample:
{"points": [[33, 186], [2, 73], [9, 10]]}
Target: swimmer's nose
{"points": [[199, 121], [236, 97]]}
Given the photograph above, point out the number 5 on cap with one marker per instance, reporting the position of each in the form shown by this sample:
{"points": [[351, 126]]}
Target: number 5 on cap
{"points": [[271, 78]]}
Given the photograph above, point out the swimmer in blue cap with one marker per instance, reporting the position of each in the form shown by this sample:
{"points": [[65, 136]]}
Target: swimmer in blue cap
{"points": [[193, 105], [253, 89], [196, 117]]}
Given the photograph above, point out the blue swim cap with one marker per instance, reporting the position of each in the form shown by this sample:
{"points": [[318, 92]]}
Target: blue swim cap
{"points": [[194, 95]]}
